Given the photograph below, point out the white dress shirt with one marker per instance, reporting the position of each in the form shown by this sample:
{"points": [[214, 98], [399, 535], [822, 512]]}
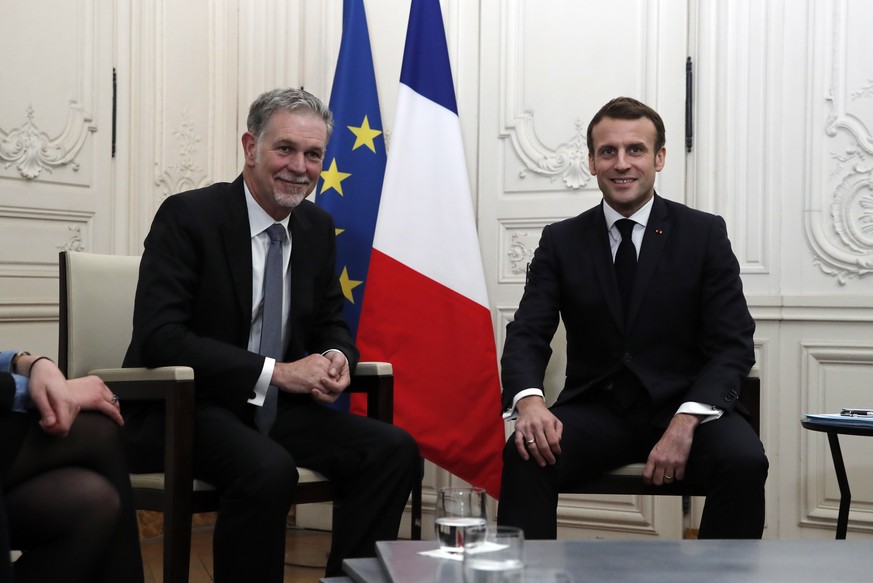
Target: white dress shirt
{"points": [[259, 222]]}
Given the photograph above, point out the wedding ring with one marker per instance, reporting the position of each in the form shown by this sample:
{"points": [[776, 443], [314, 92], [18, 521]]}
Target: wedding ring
{"points": [[668, 477], [114, 398], [529, 441]]}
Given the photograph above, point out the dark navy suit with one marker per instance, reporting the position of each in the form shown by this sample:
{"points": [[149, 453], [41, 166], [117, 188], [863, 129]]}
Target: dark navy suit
{"points": [[193, 308], [687, 336]]}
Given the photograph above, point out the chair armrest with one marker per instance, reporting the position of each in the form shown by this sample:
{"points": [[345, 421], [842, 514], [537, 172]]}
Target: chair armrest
{"points": [[164, 373], [368, 369], [149, 384], [376, 379]]}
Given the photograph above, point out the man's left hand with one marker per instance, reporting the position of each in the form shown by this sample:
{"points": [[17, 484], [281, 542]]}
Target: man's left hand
{"points": [[666, 463], [338, 378]]}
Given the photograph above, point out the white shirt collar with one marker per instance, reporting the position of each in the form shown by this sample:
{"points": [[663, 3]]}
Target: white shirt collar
{"points": [[641, 217]]}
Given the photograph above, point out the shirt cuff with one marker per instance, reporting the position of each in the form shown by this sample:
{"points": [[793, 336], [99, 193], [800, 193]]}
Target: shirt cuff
{"points": [[263, 383], [709, 412], [336, 350], [21, 401], [511, 414]]}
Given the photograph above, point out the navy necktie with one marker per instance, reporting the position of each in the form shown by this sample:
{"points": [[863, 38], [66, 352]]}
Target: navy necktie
{"points": [[625, 261], [271, 321]]}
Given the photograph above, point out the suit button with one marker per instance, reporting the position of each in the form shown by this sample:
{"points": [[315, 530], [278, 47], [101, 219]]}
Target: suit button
{"points": [[626, 357], [729, 398]]}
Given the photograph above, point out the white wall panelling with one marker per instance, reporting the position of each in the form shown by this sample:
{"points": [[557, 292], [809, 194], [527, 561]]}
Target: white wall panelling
{"points": [[55, 142]]}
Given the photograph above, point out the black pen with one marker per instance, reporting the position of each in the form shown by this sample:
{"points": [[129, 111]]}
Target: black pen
{"points": [[857, 412]]}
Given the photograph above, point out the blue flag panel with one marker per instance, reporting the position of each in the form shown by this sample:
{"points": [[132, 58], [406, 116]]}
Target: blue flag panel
{"points": [[354, 164]]}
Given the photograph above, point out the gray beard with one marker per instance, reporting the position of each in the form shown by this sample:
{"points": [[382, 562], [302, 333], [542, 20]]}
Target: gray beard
{"points": [[289, 201]]}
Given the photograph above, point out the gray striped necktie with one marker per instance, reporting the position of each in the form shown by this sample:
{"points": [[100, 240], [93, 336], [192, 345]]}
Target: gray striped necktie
{"points": [[271, 321]]}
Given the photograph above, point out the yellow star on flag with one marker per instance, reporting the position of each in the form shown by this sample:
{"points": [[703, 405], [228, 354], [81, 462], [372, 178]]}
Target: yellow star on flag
{"points": [[348, 284], [364, 135], [337, 231], [333, 178]]}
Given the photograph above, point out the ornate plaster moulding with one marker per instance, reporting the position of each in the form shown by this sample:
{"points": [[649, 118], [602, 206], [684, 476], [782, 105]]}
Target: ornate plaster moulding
{"points": [[183, 174], [32, 150], [850, 254], [567, 161], [76, 242]]}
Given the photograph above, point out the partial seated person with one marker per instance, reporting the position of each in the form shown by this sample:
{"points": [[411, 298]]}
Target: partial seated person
{"points": [[659, 337], [238, 281], [64, 477]]}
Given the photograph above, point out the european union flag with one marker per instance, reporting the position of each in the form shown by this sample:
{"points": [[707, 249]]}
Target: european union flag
{"points": [[354, 164]]}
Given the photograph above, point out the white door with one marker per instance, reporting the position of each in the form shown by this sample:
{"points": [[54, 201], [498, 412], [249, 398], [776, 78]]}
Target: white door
{"points": [[546, 68], [55, 154]]}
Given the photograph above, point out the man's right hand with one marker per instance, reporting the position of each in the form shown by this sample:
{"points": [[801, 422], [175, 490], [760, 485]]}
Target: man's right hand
{"points": [[537, 431], [312, 376]]}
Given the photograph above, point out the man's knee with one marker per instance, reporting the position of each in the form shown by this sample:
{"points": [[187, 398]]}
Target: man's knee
{"points": [[752, 465], [267, 477], [743, 468], [401, 447]]}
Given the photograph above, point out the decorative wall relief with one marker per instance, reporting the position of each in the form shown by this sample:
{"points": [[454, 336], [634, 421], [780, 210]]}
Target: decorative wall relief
{"points": [[75, 243], [567, 161], [519, 253], [32, 150], [844, 248], [185, 173], [519, 239]]}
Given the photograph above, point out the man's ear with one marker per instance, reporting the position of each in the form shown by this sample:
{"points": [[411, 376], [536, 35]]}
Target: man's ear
{"points": [[248, 143], [660, 158], [591, 168]]}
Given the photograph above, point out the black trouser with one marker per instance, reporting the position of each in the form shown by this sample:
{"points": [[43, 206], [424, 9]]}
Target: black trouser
{"points": [[69, 505], [727, 459], [372, 465]]}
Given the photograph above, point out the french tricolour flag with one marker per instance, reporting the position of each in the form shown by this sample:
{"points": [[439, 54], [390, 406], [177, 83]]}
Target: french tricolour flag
{"points": [[425, 307]]}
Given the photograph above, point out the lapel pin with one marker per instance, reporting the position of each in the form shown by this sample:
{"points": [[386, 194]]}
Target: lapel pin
{"points": [[659, 232]]}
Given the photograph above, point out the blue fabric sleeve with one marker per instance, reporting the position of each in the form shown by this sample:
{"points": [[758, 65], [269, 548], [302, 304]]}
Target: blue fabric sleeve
{"points": [[21, 400], [6, 360]]}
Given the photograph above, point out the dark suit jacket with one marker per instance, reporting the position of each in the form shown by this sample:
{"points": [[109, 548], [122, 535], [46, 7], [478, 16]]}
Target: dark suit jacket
{"points": [[194, 295], [689, 332]]}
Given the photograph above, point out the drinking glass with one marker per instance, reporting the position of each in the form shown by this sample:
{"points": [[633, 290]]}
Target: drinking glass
{"points": [[458, 510], [495, 557], [546, 575]]}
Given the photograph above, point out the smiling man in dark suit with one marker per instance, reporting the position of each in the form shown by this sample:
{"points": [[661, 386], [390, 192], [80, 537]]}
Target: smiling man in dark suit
{"points": [[658, 338], [200, 302]]}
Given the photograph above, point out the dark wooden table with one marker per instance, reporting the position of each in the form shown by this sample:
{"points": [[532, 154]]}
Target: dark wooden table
{"points": [[834, 427]]}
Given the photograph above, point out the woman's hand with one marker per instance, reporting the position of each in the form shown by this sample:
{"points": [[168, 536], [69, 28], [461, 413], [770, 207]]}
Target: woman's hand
{"points": [[59, 400]]}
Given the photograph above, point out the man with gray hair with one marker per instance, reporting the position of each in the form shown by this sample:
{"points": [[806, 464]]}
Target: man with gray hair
{"points": [[268, 351]]}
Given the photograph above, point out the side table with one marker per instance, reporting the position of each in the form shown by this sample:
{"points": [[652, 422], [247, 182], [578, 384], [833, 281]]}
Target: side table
{"points": [[834, 425]]}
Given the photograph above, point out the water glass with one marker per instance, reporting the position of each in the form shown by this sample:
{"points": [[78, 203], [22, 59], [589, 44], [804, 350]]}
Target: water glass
{"points": [[546, 575], [497, 556], [458, 512]]}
